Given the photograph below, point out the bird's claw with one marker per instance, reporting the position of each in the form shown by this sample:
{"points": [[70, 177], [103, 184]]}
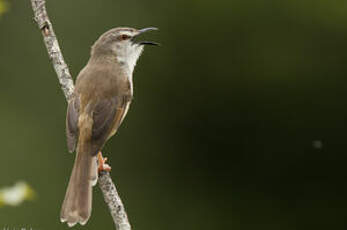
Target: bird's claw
{"points": [[102, 166]]}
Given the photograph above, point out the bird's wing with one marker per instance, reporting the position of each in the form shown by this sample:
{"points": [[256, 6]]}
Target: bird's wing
{"points": [[107, 116], [72, 123]]}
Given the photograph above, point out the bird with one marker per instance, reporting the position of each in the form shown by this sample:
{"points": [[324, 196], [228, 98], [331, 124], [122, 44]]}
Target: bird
{"points": [[100, 101]]}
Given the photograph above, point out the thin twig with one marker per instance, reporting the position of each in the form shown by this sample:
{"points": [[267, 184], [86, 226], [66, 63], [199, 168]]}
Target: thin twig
{"points": [[114, 202], [53, 49], [106, 184]]}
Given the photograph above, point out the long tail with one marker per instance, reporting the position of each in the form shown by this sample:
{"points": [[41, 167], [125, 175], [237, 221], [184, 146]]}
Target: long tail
{"points": [[77, 204]]}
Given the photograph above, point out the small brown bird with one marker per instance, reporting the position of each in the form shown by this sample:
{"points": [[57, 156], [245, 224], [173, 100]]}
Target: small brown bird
{"points": [[101, 99]]}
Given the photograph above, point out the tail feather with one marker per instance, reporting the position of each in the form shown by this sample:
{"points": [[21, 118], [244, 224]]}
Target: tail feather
{"points": [[77, 204]]}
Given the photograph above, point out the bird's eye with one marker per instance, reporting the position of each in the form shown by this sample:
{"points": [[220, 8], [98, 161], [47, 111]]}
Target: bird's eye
{"points": [[124, 37]]}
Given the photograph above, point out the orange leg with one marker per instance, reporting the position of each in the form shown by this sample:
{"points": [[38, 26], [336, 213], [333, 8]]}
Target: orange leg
{"points": [[102, 166]]}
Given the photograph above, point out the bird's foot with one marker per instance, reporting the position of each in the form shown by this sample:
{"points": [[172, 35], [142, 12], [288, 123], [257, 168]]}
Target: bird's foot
{"points": [[102, 166]]}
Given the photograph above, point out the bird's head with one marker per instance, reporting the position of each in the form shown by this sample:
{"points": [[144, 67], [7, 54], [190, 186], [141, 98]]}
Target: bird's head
{"points": [[122, 43]]}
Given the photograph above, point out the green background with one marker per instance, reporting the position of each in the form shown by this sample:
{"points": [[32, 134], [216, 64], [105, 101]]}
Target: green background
{"points": [[223, 130]]}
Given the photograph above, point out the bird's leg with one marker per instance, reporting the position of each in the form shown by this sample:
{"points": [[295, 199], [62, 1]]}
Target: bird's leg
{"points": [[102, 166]]}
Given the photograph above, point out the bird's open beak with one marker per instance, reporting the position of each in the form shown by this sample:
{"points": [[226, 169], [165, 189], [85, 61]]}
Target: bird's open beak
{"points": [[146, 42]]}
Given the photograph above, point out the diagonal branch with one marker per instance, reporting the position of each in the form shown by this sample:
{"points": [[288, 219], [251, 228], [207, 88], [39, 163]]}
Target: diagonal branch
{"points": [[53, 49], [113, 201], [106, 184]]}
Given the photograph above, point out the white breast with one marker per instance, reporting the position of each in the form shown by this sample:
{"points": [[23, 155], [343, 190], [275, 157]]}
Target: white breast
{"points": [[128, 54]]}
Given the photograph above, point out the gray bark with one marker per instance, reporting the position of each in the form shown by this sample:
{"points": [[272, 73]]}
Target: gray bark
{"points": [[113, 201], [52, 45]]}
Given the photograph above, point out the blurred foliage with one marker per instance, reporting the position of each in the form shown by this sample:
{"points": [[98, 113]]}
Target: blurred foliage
{"points": [[238, 120], [3, 6], [15, 195]]}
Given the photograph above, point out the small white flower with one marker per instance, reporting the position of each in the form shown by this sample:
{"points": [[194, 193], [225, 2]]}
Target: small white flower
{"points": [[16, 194]]}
